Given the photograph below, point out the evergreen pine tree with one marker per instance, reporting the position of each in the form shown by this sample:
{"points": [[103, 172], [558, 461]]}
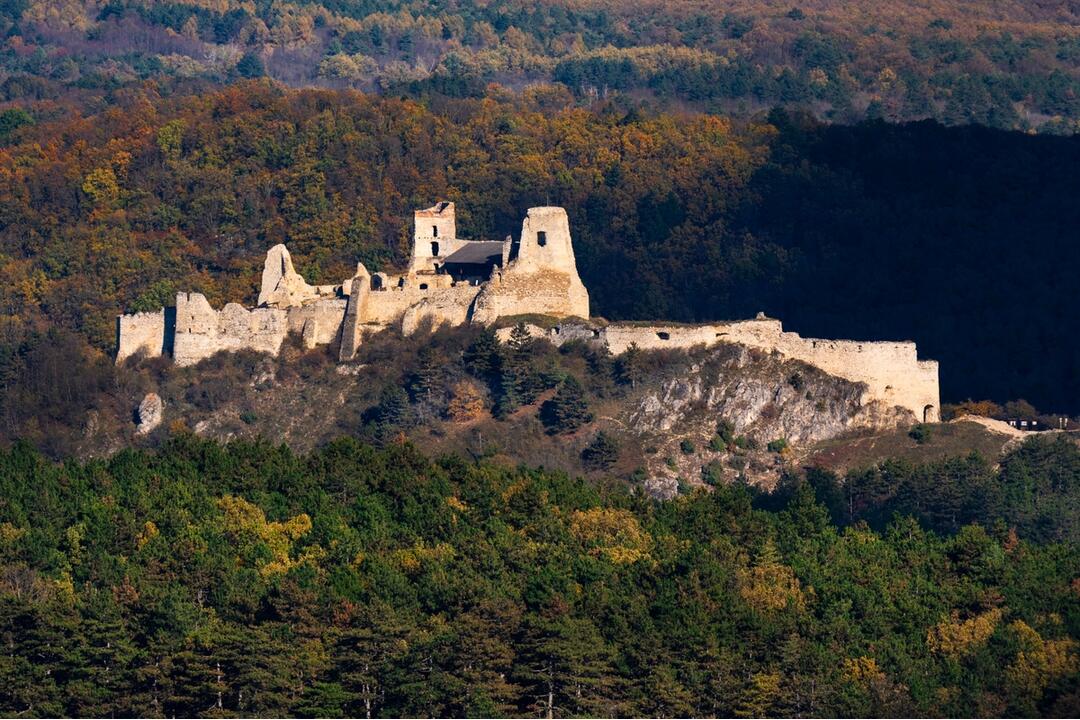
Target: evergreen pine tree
{"points": [[628, 369], [601, 453], [482, 358], [568, 410]]}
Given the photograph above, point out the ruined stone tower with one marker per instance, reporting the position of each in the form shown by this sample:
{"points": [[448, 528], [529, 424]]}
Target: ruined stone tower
{"points": [[434, 237], [453, 281]]}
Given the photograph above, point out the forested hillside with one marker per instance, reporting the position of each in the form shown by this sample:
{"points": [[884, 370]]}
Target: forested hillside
{"points": [[1008, 63], [205, 580], [962, 239]]}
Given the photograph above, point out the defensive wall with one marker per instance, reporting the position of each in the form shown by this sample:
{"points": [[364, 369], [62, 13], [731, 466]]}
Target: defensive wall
{"points": [[455, 281]]}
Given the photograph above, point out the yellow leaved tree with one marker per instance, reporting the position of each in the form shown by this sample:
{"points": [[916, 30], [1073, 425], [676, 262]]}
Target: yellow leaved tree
{"points": [[270, 542], [768, 584], [955, 638], [611, 533]]}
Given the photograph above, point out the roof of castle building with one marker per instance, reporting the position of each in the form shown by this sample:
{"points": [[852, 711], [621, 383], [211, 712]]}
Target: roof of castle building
{"points": [[477, 252]]}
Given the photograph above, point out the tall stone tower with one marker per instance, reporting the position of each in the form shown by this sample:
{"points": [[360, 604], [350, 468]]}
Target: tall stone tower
{"points": [[545, 241], [434, 236], [541, 276]]}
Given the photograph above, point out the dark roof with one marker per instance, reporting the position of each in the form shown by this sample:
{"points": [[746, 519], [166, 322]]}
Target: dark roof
{"points": [[477, 252]]}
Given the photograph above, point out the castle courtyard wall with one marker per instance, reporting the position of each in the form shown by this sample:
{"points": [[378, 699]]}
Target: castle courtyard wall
{"points": [[317, 323]]}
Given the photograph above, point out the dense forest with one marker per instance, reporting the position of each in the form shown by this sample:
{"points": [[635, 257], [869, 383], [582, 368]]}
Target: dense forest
{"points": [[962, 239], [209, 580], [877, 170], [1008, 64]]}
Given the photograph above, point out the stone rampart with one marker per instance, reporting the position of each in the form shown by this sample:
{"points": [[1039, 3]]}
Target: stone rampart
{"points": [[891, 371], [142, 332], [202, 331]]}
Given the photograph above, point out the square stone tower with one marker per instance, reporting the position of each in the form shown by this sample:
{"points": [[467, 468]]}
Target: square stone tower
{"points": [[434, 236]]}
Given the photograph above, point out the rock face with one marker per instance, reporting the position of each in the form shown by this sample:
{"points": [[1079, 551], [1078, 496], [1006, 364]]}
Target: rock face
{"points": [[151, 411], [765, 396]]}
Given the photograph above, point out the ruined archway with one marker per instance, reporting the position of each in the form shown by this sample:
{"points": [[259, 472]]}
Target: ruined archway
{"points": [[929, 414]]}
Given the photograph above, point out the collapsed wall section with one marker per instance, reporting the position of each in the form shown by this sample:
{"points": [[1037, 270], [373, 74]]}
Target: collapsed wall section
{"points": [[378, 301], [143, 332], [202, 331]]}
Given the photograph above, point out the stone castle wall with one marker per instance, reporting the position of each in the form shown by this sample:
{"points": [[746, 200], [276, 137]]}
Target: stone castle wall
{"points": [[538, 275], [140, 333], [891, 371], [202, 331]]}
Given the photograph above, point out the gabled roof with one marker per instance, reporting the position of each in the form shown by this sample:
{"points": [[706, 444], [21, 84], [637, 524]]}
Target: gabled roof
{"points": [[477, 252]]}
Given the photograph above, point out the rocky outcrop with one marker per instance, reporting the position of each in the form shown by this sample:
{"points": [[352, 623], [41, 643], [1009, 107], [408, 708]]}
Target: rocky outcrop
{"points": [[150, 413], [764, 396]]}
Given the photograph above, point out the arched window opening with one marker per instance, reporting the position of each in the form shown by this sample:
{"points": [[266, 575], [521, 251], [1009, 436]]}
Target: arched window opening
{"points": [[434, 231], [541, 238], [434, 249]]}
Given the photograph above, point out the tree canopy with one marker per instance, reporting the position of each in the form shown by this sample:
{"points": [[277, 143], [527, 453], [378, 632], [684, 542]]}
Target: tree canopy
{"points": [[204, 579]]}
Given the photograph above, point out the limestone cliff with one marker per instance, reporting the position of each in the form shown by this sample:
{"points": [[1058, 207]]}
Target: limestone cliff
{"points": [[764, 396]]}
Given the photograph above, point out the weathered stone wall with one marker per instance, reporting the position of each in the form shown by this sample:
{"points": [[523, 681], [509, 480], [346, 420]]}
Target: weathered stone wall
{"points": [[319, 322], [891, 371], [541, 292], [141, 332], [202, 331], [420, 298], [541, 278], [756, 333], [283, 287]]}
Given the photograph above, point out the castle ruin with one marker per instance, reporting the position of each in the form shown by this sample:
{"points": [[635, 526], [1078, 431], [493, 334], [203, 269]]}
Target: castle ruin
{"points": [[455, 281]]}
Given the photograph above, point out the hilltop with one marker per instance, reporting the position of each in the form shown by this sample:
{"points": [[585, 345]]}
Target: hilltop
{"points": [[1009, 64]]}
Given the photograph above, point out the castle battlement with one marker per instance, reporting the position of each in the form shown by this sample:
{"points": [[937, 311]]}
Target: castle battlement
{"points": [[449, 280], [454, 281]]}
